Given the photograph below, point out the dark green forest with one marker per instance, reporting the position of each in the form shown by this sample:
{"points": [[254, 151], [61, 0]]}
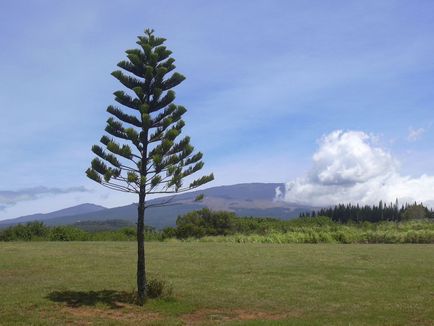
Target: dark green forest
{"points": [[377, 213]]}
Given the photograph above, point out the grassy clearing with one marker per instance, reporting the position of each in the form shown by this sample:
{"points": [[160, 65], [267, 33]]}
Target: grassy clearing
{"points": [[52, 283]]}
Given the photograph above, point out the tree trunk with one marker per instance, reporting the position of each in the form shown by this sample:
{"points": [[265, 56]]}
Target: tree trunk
{"points": [[141, 271]]}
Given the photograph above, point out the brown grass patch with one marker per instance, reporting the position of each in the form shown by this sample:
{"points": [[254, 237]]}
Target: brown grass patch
{"points": [[129, 315], [221, 316]]}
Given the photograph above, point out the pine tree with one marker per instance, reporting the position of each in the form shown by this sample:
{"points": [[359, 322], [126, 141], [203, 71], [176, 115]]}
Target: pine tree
{"points": [[142, 153]]}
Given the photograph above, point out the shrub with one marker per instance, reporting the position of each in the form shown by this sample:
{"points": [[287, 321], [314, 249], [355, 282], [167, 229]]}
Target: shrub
{"points": [[204, 222], [67, 233], [415, 211], [25, 232], [159, 289], [129, 232], [38, 231], [169, 232]]}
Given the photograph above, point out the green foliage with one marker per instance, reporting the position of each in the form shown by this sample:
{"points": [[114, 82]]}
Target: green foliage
{"points": [[386, 232], [146, 127], [159, 288], [169, 232], [209, 226], [37, 231], [67, 233], [415, 211], [146, 158], [17, 233], [204, 222], [383, 212], [27, 232]]}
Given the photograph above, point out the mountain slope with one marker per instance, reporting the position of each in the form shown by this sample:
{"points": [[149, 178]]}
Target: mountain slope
{"points": [[249, 199], [70, 211], [156, 217]]}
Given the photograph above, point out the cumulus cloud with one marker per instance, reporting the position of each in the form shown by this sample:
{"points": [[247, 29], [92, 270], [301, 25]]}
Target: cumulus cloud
{"points": [[349, 168], [11, 197], [415, 134]]}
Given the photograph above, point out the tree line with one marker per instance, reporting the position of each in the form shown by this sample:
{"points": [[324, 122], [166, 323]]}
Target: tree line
{"points": [[376, 213]]}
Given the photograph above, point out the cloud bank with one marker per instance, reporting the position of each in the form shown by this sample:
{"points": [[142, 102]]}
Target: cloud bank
{"points": [[10, 198], [349, 168], [415, 134]]}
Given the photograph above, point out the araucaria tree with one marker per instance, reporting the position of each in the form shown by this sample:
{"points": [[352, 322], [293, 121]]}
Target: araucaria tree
{"points": [[143, 153]]}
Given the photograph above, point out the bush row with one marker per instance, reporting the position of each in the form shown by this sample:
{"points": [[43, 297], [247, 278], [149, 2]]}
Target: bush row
{"points": [[37, 231], [211, 226], [224, 226], [313, 236]]}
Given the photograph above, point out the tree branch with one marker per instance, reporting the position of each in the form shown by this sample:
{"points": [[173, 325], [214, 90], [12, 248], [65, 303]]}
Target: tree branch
{"points": [[116, 187], [165, 203]]}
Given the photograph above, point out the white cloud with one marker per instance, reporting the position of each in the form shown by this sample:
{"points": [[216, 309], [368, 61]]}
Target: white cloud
{"points": [[12, 197], [348, 167], [415, 134]]}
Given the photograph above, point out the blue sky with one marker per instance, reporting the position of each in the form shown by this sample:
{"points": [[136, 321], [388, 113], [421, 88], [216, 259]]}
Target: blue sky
{"points": [[265, 81]]}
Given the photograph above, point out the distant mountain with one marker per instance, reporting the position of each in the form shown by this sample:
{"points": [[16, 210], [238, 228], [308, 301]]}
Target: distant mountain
{"points": [[156, 217], [70, 211], [248, 199]]}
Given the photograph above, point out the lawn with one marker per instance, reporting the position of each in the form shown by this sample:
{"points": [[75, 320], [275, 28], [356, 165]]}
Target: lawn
{"points": [[53, 283]]}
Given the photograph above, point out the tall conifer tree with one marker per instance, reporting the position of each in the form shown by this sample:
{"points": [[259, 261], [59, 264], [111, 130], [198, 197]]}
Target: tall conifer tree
{"points": [[142, 153]]}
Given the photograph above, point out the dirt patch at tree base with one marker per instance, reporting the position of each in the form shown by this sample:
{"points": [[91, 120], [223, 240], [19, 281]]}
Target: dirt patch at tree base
{"points": [[210, 316], [127, 314], [113, 314]]}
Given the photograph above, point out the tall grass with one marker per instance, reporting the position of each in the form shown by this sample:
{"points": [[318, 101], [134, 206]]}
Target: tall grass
{"points": [[421, 231], [301, 230]]}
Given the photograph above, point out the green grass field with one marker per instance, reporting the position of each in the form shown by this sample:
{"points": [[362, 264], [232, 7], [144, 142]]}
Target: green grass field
{"points": [[57, 283]]}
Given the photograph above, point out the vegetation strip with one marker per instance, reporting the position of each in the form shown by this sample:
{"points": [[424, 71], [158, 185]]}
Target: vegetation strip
{"points": [[209, 226]]}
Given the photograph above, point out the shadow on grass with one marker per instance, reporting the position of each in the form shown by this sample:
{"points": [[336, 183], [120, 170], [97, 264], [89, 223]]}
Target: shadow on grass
{"points": [[111, 298]]}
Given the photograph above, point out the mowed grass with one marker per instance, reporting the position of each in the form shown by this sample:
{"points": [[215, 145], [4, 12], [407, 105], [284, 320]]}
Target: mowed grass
{"points": [[57, 283]]}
